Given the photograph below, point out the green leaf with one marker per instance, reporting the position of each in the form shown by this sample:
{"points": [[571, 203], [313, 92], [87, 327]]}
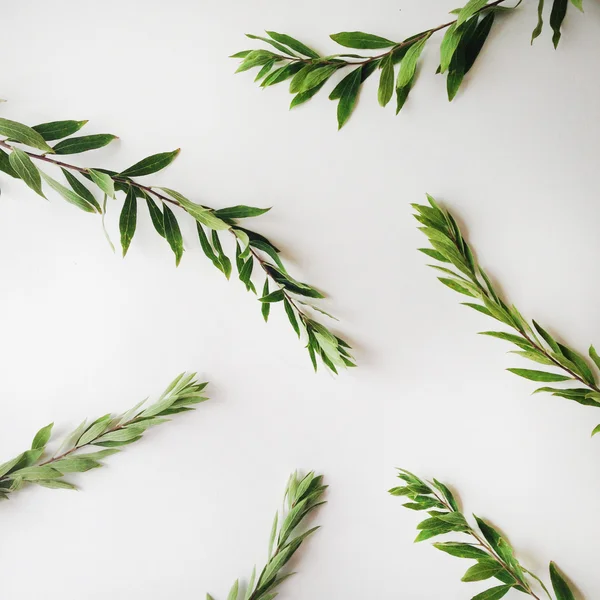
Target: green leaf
{"points": [[594, 356], [42, 437], [266, 307], [26, 170], [203, 215], [538, 375], [255, 58], [408, 66], [302, 97], [273, 43], [6, 166], [206, 247], [276, 296], [57, 130], [457, 286], [156, 216], [449, 45], [56, 484], [482, 570], [223, 259], [470, 8], [386, 81], [150, 164], [560, 586], [596, 430], [291, 316], [233, 593], [22, 133], [317, 76], [547, 337], [347, 92], [80, 189], [103, 181], [128, 220], [461, 550], [360, 40], [494, 593], [240, 212], [540, 23], [68, 194], [173, 233], [281, 74], [292, 43], [84, 143], [557, 16], [578, 4]]}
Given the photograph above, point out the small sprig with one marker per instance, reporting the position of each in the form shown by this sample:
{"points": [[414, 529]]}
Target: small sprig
{"points": [[302, 497], [108, 431], [309, 71], [533, 341], [251, 249], [495, 557]]}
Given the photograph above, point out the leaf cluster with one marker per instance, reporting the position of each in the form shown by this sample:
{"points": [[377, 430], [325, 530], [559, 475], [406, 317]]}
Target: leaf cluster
{"points": [[308, 71], [493, 555], [461, 272], [109, 432], [302, 497], [90, 188]]}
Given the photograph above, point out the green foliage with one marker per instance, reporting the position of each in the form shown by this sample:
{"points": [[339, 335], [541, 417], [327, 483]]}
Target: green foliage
{"points": [[307, 71], [532, 341], [254, 253], [493, 555], [302, 497], [108, 431]]}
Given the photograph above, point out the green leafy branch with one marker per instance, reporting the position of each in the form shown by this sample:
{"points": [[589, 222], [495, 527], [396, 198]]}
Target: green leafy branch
{"points": [[495, 557], [302, 497], [533, 341], [108, 431], [251, 249], [308, 71]]}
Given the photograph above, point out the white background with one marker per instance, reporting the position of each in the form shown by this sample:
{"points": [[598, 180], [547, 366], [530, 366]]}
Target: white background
{"points": [[188, 509]]}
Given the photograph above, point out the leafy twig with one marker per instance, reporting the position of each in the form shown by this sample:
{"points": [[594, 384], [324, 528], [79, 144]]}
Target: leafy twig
{"points": [[309, 71], [302, 497], [533, 341], [251, 247], [494, 556], [108, 431]]}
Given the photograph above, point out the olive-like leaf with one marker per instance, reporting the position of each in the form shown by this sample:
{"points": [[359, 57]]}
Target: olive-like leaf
{"points": [[24, 134], [361, 40], [26, 170], [56, 130], [128, 220], [76, 145], [173, 233], [150, 164]]}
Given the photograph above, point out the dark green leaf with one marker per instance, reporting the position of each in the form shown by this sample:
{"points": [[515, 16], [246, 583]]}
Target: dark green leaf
{"points": [[128, 220], [26, 170], [538, 375], [240, 212], [292, 43], [276, 296], [80, 189], [557, 16], [83, 143], [68, 194], [477, 40], [408, 66], [302, 97], [206, 246], [461, 550], [266, 307], [560, 586], [540, 23], [173, 233], [547, 337], [347, 92], [6, 166], [363, 41], [223, 259], [150, 164], [273, 43], [22, 133], [57, 130], [291, 316], [316, 76], [494, 593], [156, 216], [281, 74]]}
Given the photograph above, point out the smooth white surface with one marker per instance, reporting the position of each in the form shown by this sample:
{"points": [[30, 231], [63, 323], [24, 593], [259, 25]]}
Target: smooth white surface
{"points": [[188, 509]]}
